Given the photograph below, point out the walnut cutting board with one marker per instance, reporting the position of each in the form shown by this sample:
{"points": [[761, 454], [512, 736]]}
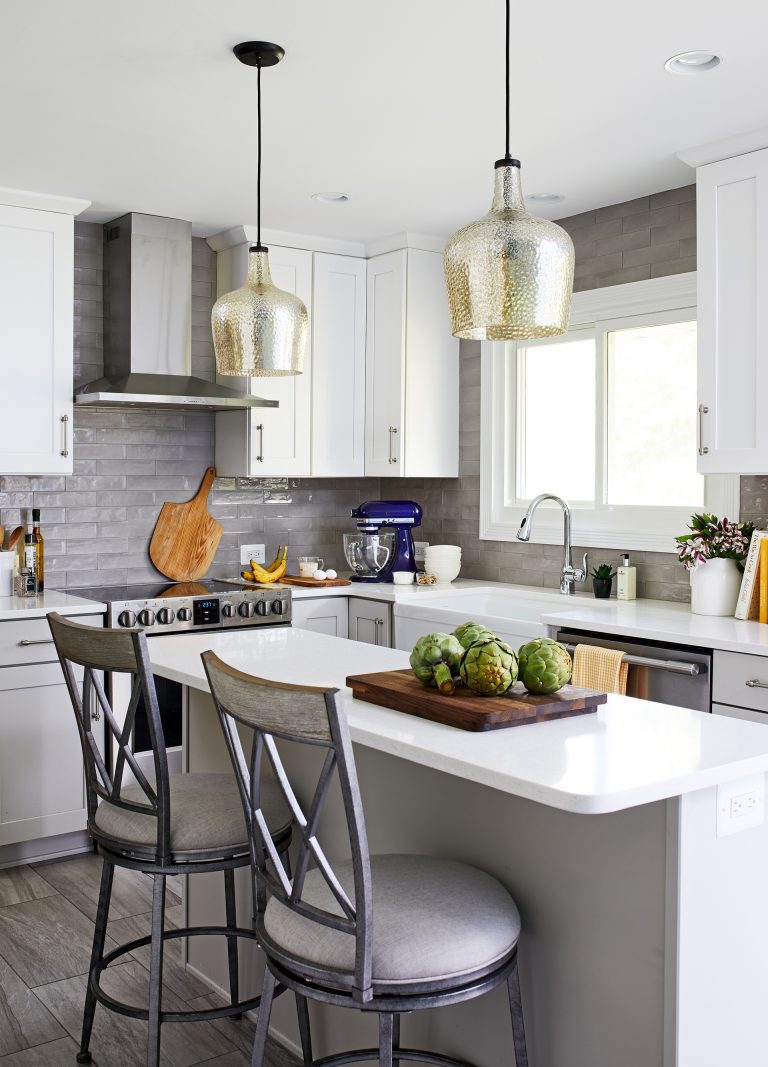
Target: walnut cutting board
{"points": [[186, 537], [312, 583], [402, 691]]}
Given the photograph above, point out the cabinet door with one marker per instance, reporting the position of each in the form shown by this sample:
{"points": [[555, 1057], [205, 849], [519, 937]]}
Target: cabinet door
{"points": [[385, 365], [36, 286], [42, 791], [369, 621], [732, 235], [324, 615], [338, 366], [269, 442]]}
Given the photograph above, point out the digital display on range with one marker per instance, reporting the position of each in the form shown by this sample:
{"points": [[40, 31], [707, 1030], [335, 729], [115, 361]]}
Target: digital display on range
{"points": [[206, 612]]}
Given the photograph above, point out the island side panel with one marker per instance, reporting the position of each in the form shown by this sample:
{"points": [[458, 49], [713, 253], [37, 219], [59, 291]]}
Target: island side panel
{"points": [[591, 890]]}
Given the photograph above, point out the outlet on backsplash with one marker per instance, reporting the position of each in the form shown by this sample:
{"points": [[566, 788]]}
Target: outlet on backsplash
{"points": [[252, 552], [420, 546]]}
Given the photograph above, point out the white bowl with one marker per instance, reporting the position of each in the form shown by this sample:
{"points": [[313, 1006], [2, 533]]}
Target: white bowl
{"points": [[445, 572], [443, 548], [443, 553], [402, 577]]}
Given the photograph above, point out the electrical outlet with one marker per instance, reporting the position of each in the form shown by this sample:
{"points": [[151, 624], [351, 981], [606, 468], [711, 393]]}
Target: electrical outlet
{"points": [[252, 552], [419, 547], [740, 805]]}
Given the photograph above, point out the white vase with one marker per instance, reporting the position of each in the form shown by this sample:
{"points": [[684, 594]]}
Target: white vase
{"points": [[715, 585]]}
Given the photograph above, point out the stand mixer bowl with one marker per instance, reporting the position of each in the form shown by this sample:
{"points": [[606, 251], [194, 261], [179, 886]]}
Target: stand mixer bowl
{"points": [[369, 553]]}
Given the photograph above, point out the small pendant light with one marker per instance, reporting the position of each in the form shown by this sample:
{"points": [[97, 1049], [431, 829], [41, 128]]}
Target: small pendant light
{"points": [[259, 330], [509, 275]]}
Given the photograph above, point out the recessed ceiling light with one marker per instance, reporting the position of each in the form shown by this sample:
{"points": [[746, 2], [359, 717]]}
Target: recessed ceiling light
{"points": [[696, 62], [331, 198], [546, 198]]}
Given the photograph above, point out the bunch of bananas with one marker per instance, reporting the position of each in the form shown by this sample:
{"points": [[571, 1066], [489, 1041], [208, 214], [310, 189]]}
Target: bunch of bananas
{"points": [[273, 573]]}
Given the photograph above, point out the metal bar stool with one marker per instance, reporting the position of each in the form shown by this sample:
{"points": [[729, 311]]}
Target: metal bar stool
{"points": [[440, 932], [173, 824]]}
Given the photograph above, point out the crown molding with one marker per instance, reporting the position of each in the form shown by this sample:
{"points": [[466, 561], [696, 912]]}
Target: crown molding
{"points": [[246, 234], [713, 151], [64, 205]]}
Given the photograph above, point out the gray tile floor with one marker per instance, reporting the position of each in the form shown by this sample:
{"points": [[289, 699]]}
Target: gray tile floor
{"points": [[46, 925]]}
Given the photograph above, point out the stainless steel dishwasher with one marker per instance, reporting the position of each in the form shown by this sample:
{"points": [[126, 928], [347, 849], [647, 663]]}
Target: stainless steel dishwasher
{"points": [[676, 674]]}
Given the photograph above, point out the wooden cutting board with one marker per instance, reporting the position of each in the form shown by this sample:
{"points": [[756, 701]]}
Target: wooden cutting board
{"points": [[311, 583], [402, 691], [186, 537]]}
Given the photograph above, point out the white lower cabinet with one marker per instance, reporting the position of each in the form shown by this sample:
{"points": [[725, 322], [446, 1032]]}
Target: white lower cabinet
{"points": [[323, 615], [370, 621]]}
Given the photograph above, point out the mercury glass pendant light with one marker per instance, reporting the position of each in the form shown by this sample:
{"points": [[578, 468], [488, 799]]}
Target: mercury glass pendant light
{"points": [[259, 330], [509, 275]]}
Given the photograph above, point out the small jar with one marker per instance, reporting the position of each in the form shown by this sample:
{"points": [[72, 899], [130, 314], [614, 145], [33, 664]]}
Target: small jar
{"points": [[25, 583]]}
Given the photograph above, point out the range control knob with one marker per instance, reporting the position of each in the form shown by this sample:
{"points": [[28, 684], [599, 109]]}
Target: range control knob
{"points": [[184, 614], [278, 607], [262, 607], [228, 611], [247, 609], [166, 616], [126, 618], [146, 617]]}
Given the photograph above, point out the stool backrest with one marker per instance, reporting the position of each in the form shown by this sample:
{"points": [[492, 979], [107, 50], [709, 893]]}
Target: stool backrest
{"points": [[309, 716], [98, 650]]}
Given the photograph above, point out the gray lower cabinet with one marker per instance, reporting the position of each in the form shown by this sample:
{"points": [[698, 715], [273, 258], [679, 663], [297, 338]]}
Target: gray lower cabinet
{"points": [[740, 686], [370, 621], [323, 615]]}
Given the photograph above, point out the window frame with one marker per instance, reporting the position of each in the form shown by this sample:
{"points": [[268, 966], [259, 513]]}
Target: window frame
{"points": [[641, 528]]}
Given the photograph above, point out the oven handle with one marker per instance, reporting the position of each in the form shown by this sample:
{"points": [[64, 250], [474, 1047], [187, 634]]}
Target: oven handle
{"points": [[671, 665], [40, 641]]}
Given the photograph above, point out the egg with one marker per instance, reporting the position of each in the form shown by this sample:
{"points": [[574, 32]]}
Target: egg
{"points": [[320, 576], [331, 574]]}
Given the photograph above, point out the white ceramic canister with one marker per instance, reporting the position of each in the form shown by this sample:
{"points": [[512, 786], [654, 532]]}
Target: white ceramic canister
{"points": [[715, 585]]}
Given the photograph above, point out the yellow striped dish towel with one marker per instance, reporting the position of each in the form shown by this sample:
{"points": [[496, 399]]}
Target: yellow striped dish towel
{"points": [[600, 668]]}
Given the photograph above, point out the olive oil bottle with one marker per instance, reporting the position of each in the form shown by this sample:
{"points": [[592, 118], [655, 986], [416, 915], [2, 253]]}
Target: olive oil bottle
{"points": [[34, 549]]}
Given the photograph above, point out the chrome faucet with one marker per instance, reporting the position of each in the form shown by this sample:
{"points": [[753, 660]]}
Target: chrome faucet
{"points": [[569, 574]]}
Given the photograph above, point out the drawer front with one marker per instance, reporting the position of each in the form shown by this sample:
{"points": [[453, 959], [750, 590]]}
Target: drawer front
{"points": [[30, 641], [741, 713], [740, 680]]}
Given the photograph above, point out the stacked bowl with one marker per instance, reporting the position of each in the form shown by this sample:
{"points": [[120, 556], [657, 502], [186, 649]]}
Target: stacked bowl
{"points": [[444, 561]]}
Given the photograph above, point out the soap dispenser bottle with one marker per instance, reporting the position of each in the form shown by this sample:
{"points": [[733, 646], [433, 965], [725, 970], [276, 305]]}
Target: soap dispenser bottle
{"points": [[626, 588]]}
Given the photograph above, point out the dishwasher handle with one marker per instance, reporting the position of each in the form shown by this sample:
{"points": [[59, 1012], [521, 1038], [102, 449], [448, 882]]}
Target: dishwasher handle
{"points": [[672, 665]]}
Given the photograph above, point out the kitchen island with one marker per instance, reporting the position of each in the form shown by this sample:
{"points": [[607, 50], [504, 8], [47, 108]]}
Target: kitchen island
{"points": [[644, 925]]}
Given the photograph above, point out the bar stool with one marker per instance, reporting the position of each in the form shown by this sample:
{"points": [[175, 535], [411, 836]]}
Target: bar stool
{"points": [[173, 824], [385, 934]]}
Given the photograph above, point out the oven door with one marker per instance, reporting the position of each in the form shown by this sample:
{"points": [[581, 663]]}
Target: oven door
{"points": [[171, 698]]}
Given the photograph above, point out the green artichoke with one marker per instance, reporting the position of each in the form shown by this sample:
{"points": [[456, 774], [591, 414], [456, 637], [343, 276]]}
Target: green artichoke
{"points": [[545, 665], [469, 632], [489, 667], [435, 661]]}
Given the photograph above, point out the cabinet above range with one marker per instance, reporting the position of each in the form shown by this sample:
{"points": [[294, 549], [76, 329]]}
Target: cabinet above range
{"points": [[380, 390]]}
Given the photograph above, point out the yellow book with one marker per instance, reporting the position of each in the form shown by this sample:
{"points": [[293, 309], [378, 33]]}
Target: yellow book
{"points": [[763, 578]]}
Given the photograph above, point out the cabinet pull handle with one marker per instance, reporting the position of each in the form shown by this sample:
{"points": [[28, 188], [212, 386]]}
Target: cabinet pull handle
{"points": [[65, 435], [41, 641], [703, 410], [377, 623], [260, 456], [392, 432], [755, 683]]}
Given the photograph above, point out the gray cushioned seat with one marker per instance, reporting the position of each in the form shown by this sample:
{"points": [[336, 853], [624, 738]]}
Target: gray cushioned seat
{"points": [[206, 814], [432, 919]]}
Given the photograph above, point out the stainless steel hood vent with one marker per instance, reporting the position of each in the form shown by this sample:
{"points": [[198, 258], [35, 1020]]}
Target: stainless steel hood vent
{"points": [[148, 322]]}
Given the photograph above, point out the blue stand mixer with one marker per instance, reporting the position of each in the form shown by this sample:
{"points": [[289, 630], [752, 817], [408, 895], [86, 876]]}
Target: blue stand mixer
{"points": [[384, 541]]}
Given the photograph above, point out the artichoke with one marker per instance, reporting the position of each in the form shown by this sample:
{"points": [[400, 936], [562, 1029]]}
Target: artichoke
{"points": [[545, 665], [469, 632], [435, 661], [489, 667]]}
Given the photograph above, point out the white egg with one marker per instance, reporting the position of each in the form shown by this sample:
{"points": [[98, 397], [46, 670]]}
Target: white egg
{"points": [[320, 575], [331, 574]]}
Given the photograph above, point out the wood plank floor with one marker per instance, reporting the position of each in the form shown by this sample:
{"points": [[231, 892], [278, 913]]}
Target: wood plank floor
{"points": [[46, 926]]}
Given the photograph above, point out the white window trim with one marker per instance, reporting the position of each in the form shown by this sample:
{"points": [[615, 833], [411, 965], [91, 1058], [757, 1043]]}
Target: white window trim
{"points": [[638, 529]]}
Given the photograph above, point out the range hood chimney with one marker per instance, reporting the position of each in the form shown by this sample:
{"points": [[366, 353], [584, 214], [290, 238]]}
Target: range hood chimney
{"points": [[148, 322]]}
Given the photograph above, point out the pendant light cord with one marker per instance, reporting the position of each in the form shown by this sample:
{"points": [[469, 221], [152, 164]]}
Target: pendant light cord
{"points": [[508, 75], [258, 148]]}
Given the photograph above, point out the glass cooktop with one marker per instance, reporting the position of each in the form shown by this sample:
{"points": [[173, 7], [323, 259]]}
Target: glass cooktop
{"points": [[166, 590]]}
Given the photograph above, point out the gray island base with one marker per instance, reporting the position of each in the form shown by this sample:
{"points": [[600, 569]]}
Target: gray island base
{"points": [[642, 891]]}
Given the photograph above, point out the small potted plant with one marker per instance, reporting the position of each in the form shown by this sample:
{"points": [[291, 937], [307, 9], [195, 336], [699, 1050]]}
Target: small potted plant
{"points": [[714, 553], [602, 580]]}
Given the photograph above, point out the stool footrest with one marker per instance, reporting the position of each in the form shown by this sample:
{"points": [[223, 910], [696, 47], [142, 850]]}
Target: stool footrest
{"points": [[363, 1054]]}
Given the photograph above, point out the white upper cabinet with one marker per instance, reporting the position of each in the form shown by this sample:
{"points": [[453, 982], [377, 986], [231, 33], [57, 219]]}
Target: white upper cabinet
{"points": [[732, 227], [268, 442], [36, 320], [412, 375], [338, 366]]}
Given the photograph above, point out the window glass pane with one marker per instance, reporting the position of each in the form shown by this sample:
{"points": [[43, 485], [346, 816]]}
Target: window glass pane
{"points": [[652, 417], [556, 420]]}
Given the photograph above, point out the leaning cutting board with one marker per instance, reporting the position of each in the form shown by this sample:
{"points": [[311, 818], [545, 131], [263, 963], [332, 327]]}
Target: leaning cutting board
{"points": [[313, 583], [186, 537], [402, 691]]}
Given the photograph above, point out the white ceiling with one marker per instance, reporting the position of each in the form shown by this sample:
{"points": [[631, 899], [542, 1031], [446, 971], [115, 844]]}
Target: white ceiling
{"points": [[141, 106]]}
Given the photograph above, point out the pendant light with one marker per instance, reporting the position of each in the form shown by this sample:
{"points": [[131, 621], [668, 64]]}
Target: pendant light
{"points": [[509, 275], [259, 330]]}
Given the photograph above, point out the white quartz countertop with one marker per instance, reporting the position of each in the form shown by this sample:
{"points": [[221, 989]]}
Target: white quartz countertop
{"points": [[629, 753], [13, 608]]}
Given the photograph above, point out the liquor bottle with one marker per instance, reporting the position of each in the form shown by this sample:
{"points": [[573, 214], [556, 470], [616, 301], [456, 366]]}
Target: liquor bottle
{"points": [[28, 563], [40, 570]]}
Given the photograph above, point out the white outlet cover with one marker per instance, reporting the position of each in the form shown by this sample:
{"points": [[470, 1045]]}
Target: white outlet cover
{"points": [[740, 805], [419, 547], [249, 552]]}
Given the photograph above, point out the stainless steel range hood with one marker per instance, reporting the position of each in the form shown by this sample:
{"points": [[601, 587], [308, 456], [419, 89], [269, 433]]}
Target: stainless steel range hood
{"points": [[148, 322]]}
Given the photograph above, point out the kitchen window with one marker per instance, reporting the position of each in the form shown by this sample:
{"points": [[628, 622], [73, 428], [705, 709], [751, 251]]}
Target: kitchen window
{"points": [[604, 416]]}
